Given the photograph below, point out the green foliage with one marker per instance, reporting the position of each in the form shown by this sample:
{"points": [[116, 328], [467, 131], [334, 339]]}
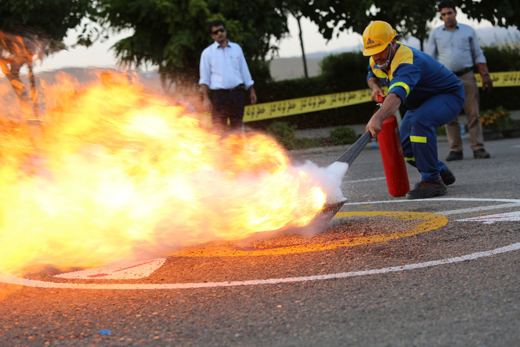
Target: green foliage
{"points": [[501, 58], [496, 119], [283, 133], [347, 71], [408, 17], [344, 72], [49, 19], [501, 12], [333, 15], [29, 30], [343, 135], [169, 34], [341, 72], [261, 73], [441, 131], [289, 89], [173, 33], [304, 143]]}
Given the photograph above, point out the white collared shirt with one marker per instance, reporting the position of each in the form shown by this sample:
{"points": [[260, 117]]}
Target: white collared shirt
{"points": [[224, 68]]}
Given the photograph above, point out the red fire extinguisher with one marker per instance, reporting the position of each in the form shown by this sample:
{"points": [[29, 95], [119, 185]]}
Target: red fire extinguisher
{"points": [[393, 157]]}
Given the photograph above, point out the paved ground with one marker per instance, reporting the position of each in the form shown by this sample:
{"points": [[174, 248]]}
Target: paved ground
{"points": [[389, 272], [360, 128]]}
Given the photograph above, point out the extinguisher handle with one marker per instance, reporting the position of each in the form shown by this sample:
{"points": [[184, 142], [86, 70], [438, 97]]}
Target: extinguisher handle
{"points": [[379, 104], [354, 150]]}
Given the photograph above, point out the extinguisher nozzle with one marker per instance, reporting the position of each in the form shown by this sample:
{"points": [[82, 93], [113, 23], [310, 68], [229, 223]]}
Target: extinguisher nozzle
{"points": [[351, 154]]}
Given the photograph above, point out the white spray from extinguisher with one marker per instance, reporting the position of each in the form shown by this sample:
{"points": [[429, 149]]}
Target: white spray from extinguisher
{"points": [[330, 178]]}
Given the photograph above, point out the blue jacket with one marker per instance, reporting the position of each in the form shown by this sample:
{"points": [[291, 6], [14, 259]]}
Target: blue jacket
{"points": [[415, 76]]}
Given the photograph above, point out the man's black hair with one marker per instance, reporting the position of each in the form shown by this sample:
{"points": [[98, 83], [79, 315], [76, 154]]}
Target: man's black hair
{"points": [[446, 4], [216, 23]]}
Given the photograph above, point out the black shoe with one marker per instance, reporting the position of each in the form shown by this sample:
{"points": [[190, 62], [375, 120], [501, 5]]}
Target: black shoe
{"points": [[480, 154], [448, 178], [454, 156], [429, 189]]}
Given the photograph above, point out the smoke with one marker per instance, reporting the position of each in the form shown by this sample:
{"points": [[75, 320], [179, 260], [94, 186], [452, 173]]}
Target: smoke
{"points": [[329, 178]]}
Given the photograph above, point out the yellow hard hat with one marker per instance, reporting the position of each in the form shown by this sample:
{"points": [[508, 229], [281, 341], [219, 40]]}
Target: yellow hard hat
{"points": [[376, 37]]}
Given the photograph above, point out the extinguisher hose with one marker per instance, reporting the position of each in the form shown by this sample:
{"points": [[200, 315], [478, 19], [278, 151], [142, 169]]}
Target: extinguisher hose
{"points": [[351, 154]]}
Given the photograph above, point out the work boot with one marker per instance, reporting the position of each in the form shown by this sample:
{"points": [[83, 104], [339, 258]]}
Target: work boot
{"points": [[454, 156], [425, 190], [448, 178], [480, 154]]}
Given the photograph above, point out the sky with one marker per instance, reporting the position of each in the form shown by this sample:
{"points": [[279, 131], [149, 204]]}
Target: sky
{"points": [[100, 55]]}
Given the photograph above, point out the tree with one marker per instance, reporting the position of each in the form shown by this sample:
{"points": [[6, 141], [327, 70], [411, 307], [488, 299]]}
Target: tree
{"points": [[297, 8], [298, 17], [500, 12], [173, 33], [29, 30], [408, 17]]}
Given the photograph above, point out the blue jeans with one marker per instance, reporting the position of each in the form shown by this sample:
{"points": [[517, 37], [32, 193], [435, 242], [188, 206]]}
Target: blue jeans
{"points": [[418, 136]]}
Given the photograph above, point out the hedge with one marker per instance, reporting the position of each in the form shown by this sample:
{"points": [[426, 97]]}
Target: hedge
{"points": [[347, 72], [501, 59]]}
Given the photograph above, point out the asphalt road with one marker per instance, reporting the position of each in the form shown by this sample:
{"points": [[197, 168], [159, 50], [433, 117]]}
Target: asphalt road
{"points": [[396, 273]]}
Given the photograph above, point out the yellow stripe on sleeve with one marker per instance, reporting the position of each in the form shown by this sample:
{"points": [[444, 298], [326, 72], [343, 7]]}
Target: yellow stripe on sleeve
{"points": [[400, 84]]}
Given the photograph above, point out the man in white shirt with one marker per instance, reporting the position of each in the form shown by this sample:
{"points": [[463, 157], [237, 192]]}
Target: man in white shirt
{"points": [[224, 76]]}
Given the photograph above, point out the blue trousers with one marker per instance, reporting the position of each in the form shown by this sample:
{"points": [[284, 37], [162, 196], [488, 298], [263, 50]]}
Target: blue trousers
{"points": [[418, 136]]}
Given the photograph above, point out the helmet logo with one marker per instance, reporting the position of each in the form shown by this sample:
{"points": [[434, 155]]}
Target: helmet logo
{"points": [[369, 41]]}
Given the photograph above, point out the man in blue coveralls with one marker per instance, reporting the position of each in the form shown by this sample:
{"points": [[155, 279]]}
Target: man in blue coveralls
{"points": [[432, 94]]}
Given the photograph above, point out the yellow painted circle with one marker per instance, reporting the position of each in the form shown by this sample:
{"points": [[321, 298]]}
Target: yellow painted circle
{"points": [[429, 221]]}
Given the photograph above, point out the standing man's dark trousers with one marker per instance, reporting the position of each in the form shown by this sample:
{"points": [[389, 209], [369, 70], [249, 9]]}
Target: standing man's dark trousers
{"points": [[227, 104]]}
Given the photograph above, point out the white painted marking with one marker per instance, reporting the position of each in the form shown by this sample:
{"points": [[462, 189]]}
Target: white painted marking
{"points": [[502, 217], [125, 271], [368, 179], [513, 203], [10, 279], [434, 199], [6, 278], [478, 209]]}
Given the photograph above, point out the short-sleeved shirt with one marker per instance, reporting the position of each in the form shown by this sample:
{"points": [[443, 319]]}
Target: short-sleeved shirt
{"points": [[224, 68], [415, 76], [457, 49]]}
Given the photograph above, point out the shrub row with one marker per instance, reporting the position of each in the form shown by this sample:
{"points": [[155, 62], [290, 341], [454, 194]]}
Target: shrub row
{"points": [[347, 72], [285, 135]]}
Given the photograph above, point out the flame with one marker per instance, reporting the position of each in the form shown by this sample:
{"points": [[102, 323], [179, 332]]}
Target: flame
{"points": [[17, 51], [114, 173]]}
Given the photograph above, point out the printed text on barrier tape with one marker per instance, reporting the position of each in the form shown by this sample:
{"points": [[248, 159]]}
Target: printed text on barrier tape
{"points": [[309, 104]]}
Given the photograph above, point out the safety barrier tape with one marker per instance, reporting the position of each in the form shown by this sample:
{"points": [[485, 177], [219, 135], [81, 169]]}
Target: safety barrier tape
{"points": [[309, 104]]}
